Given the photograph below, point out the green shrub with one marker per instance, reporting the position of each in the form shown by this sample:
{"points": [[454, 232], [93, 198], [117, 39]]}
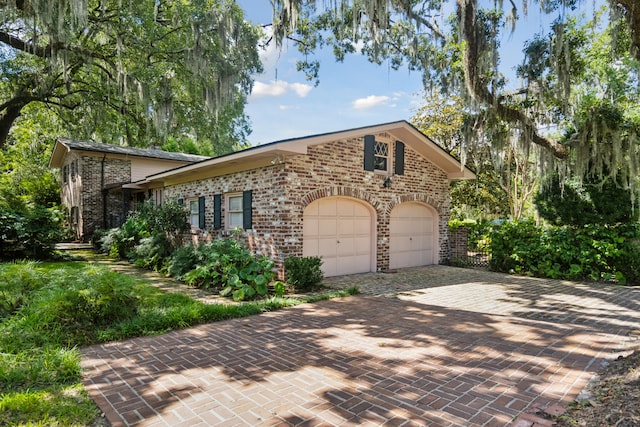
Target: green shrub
{"points": [[97, 239], [152, 252], [226, 265], [303, 272], [149, 235], [30, 232], [596, 252], [18, 282], [592, 200], [182, 260]]}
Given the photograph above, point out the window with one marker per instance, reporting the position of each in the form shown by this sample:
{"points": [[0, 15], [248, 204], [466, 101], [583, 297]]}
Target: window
{"points": [[194, 214], [65, 173], [234, 210], [74, 169], [158, 196], [378, 155], [238, 210], [381, 156]]}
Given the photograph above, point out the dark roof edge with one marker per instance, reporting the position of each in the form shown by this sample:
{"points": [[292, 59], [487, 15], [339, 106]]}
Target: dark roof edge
{"points": [[100, 147]]}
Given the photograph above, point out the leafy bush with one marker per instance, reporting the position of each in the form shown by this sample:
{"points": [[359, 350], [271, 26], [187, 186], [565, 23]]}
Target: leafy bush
{"points": [[223, 264], [153, 251], [157, 229], [183, 260], [593, 252], [587, 201], [303, 272], [29, 232]]}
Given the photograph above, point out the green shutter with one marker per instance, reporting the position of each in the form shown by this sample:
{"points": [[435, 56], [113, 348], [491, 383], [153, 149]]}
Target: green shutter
{"points": [[369, 152], [247, 219], [201, 220], [217, 211], [399, 160]]}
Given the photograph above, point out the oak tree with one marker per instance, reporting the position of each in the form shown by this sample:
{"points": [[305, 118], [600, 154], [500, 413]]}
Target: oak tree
{"points": [[129, 72]]}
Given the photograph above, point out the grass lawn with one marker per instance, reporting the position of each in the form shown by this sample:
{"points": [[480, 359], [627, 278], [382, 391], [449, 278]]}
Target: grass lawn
{"points": [[49, 310]]}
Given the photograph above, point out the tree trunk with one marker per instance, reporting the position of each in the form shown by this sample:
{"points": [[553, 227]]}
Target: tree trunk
{"points": [[7, 117], [632, 8]]}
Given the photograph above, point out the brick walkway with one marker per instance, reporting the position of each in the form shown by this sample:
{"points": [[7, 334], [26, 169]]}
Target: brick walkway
{"points": [[436, 346]]}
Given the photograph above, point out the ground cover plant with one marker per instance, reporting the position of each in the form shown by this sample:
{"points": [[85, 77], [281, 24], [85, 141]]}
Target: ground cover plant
{"points": [[226, 266], [151, 237], [49, 310]]}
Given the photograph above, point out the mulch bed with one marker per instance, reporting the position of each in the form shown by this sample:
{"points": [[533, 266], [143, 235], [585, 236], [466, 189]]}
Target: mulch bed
{"points": [[615, 398]]}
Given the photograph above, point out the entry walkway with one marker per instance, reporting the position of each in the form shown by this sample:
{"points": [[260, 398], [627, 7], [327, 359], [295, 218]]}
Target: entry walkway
{"points": [[434, 346]]}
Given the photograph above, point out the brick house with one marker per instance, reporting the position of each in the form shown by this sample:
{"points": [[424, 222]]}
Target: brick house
{"points": [[96, 180], [368, 199]]}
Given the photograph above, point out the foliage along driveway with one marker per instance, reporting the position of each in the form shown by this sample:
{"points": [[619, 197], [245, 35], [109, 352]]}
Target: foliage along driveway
{"points": [[428, 346]]}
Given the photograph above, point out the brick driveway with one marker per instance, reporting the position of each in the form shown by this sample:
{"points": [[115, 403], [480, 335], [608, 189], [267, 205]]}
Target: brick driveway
{"points": [[436, 346]]}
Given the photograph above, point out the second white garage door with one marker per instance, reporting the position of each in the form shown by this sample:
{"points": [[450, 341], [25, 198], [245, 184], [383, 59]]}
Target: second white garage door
{"points": [[340, 231], [413, 236]]}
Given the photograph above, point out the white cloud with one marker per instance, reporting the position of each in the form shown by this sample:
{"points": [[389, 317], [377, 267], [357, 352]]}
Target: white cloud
{"points": [[279, 88], [370, 101], [268, 89], [301, 89]]}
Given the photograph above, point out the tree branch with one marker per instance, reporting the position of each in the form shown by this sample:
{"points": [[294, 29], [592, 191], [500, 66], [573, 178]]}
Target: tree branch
{"points": [[24, 46], [478, 89]]}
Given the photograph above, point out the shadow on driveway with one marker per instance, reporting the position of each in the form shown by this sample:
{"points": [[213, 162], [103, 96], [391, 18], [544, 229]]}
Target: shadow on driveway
{"points": [[446, 346]]}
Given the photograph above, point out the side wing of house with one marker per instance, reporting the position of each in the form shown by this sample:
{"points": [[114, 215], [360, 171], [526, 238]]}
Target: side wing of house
{"points": [[368, 199], [94, 181]]}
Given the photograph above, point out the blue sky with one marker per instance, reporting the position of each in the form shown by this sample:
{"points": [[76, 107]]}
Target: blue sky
{"points": [[351, 94]]}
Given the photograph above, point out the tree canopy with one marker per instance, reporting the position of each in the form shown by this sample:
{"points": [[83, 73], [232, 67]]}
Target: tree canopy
{"points": [[570, 109], [130, 72]]}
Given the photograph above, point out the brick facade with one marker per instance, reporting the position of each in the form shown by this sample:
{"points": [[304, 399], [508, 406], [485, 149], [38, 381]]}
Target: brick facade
{"points": [[459, 243], [82, 190], [282, 191]]}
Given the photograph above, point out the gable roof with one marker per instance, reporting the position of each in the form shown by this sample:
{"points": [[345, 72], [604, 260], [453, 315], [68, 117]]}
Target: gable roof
{"points": [[64, 145], [262, 155]]}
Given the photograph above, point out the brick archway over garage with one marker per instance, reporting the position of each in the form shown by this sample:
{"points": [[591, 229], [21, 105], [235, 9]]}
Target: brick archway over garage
{"points": [[353, 192], [417, 197]]}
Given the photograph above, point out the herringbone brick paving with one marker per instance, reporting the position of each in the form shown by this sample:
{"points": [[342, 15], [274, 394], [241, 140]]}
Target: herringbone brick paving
{"points": [[436, 346]]}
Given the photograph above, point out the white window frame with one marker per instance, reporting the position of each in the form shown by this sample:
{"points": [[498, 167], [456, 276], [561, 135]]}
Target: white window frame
{"points": [[233, 212], [192, 215], [388, 157]]}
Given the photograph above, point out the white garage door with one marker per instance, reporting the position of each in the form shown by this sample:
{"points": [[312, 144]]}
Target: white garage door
{"points": [[339, 230], [413, 236]]}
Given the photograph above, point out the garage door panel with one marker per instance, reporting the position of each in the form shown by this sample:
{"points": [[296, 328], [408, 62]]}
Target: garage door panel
{"points": [[362, 227], [412, 236], [363, 245], [327, 227], [310, 247], [343, 234], [346, 226], [346, 248], [310, 226], [327, 247], [345, 208], [327, 208]]}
